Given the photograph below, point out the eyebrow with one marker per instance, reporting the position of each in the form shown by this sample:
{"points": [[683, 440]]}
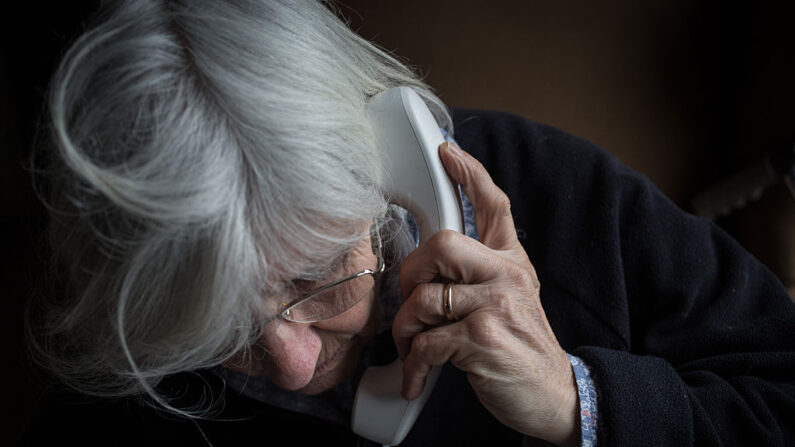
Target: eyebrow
{"points": [[320, 273]]}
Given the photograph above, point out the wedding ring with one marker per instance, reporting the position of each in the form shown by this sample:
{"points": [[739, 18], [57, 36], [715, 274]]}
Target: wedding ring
{"points": [[447, 302]]}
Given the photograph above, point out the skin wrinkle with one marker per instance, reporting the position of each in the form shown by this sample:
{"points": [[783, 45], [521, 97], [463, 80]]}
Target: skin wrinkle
{"points": [[322, 366]]}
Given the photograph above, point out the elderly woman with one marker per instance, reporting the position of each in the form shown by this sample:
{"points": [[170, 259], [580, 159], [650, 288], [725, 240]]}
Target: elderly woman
{"points": [[213, 161]]}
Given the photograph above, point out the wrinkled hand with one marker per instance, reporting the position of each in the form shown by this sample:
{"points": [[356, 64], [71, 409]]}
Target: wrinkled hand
{"points": [[502, 339]]}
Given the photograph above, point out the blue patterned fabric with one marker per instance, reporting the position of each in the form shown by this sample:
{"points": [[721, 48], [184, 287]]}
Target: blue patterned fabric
{"points": [[589, 410]]}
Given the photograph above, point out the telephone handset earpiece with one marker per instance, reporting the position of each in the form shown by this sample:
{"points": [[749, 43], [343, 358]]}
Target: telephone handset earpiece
{"points": [[416, 180]]}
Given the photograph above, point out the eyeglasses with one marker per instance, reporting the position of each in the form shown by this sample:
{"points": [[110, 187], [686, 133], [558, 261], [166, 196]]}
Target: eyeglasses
{"points": [[334, 298]]}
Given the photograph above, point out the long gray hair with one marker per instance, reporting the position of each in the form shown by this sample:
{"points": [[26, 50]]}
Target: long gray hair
{"points": [[205, 152]]}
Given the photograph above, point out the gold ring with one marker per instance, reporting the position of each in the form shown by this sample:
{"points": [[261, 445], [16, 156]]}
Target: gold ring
{"points": [[447, 302]]}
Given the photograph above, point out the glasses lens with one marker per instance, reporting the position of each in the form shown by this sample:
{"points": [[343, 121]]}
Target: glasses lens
{"points": [[331, 302]]}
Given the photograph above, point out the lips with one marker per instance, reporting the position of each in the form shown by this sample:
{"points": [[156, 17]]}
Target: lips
{"points": [[322, 367]]}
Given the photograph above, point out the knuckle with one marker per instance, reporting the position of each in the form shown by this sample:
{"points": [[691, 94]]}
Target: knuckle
{"points": [[499, 301], [486, 331], [445, 238], [505, 308], [531, 280], [498, 205], [526, 278], [521, 277], [443, 244], [503, 201], [420, 344], [492, 293], [504, 209]]}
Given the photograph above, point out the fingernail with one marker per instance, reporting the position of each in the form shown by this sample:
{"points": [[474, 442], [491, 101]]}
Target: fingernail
{"points": [[454, 147]]}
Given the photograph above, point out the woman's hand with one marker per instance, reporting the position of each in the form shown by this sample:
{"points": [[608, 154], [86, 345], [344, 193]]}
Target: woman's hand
{"points": [[501, 337]]}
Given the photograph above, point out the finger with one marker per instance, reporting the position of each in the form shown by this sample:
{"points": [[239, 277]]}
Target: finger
{"points": [[450, 255], [493, 216], [425, 308], [429, 349]]}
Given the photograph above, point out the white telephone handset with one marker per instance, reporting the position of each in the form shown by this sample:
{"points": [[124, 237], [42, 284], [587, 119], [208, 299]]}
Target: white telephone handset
{"points": [[410, 138]]}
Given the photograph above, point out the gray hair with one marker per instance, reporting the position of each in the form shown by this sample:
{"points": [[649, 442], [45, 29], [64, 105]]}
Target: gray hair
{"points": [[204, 153]]}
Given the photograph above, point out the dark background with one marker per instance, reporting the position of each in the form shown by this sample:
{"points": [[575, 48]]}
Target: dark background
{"points": [[686, 92]]}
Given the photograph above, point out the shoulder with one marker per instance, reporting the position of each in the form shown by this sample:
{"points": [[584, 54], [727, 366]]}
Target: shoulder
{"points": [[540, 167], [515, 149], [484, 129]]}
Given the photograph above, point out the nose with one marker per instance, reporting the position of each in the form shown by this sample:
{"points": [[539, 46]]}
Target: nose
{"points": [[292, 350]]}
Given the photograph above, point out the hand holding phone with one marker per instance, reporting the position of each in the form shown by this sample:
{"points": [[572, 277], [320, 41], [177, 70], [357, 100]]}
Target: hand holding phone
{"points": [[499, 336]]}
